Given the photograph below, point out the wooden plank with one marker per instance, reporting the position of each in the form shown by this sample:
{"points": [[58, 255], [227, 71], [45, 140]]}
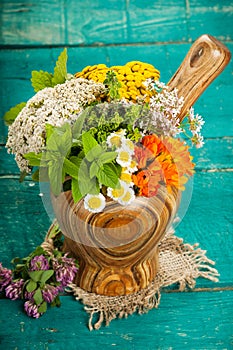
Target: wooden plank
{"points": [[16, 67], [208, 220], [32, 22], [204, 158], [182, 321], [115, 22], [213, 17]]}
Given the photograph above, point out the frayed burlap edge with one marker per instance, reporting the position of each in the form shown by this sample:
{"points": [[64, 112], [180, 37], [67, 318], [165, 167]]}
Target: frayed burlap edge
{"points": [[179, 263]]}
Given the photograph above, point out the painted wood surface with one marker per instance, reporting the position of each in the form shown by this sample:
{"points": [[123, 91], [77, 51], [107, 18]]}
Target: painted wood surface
{"points": [[32, 35]]}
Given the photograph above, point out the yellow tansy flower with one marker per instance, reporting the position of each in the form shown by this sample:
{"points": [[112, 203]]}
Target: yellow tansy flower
{"points": [[131, 76]]}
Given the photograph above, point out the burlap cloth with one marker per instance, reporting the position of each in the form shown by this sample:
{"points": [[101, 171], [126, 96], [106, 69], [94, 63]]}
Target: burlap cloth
{"points": [[179, 263]]}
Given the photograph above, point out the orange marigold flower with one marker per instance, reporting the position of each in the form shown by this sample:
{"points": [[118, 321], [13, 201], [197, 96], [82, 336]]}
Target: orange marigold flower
{"points": [[147, 182], [152, 143], [180, 155], [141, 155]]}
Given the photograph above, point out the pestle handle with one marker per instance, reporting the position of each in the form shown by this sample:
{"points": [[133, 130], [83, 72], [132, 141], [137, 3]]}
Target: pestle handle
{"points": [[205, 60]]}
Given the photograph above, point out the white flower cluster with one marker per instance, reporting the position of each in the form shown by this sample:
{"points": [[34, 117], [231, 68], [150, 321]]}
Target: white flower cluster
{"points": [[165, 108], [124, 195], [125, 150], [53, 106], [196, 122]]}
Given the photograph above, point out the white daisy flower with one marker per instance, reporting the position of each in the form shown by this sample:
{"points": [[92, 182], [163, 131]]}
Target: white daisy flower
{"points": [[128, 145], [116, 193], [126, 177], [94, 203], [128, 197], [132, 167], [115, 138], [123, 157]]}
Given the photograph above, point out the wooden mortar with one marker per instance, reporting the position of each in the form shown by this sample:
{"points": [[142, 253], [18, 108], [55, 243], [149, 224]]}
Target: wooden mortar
{"points": [[118, 248]]}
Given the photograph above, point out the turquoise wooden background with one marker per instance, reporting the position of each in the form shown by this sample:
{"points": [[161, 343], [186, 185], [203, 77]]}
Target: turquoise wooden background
{"points": [[114, 32]]}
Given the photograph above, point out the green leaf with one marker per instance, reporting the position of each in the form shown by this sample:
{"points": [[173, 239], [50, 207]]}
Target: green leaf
{"points": [[31, 286], [78, 125], [70, 168], [23, 174], [56, 302], [33, 158], [38, 297], [94, 168], [55, 177], [107, 157], [43, 308], [49, 130], [88, 142], [46, 275], [10, 115], [41, 79], [94, 153], [60, 70], [41, 175], [108, 177], [60, 140], [35, 275], [77, 160], [77, 195]]}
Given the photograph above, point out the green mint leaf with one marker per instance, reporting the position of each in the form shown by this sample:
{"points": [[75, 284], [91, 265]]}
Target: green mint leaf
{"points": [[60, 70], [31, 286], [33, 158], [108, 177], [94, 168], [38, 297], [43, 308], [60, 140], [107, 157], [78, 125], [46, 275], [10, 115], [77, 195], [56, 177], [35, 275], [77, 160], [94, 153], [88, 142], [70, 168], [41, 79]]}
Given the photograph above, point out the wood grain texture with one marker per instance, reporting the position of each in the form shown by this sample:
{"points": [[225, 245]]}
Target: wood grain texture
{"points": [[200, 321], [24, 216], [205, 60], [117, 248], [78, 22]]}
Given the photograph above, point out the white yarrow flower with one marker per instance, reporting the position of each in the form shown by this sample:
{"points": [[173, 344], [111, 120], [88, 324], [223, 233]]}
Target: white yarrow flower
{"points": [[54, 106]]}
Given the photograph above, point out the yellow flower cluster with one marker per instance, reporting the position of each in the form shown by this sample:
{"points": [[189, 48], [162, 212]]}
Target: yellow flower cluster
{"points": [[131, 76]]}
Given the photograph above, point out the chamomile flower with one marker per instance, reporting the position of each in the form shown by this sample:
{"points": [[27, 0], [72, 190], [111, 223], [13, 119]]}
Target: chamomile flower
{"points": [[128, 145], [123, 157], [115, 138], [127, 197], [132, 167], [116, 193], [94, 203], [126, 177]]}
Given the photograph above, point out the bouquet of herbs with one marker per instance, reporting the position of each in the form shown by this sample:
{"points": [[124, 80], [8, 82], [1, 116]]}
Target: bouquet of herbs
{"points": [[103, 133]]}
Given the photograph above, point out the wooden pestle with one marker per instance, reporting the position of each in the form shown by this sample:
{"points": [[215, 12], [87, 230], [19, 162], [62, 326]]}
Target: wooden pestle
{"points": [[205, 60]]}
